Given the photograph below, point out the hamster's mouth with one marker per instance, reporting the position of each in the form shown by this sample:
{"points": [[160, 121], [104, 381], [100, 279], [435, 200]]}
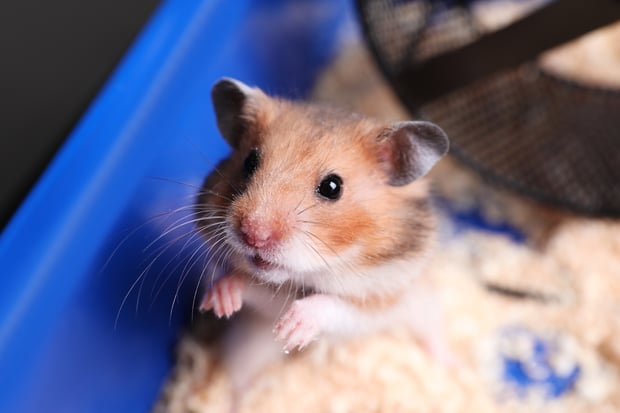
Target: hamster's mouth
{"points": [[262, 264]]}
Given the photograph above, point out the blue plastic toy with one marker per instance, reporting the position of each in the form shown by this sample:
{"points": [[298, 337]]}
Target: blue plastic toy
{"points": [[528, 364]]}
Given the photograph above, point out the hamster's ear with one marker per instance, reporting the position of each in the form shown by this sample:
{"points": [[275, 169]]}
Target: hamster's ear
{"points": [[231, 100], [408, 150]]}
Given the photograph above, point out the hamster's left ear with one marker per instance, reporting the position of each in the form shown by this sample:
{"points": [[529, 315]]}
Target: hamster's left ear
{"points": [[408, 150], [235, 104]]}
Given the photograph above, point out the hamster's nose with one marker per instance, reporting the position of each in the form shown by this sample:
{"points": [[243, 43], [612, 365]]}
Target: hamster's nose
{"points": [[258, 234]]}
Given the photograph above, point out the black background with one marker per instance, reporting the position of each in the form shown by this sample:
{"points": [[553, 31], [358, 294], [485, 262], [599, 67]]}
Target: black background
{"points": [[54, 57]]}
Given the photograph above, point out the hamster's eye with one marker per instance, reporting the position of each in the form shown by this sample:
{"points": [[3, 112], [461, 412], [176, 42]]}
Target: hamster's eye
{"points": [[250, 165], [330, 187]]}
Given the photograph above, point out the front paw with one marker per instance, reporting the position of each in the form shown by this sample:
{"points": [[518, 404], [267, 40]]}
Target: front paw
{"points": [[299, 326], [225, 297]]}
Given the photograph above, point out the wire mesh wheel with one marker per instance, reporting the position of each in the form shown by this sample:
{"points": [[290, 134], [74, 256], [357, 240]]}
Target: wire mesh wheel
{"points": [[515, 123]]}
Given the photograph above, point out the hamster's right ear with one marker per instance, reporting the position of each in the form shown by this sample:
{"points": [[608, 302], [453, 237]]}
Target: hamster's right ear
{"points": [[231, 100], [408, 150]]}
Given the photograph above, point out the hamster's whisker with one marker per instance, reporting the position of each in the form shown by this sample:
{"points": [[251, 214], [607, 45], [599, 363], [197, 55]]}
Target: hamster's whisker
{"points": [[256, 281], [208, 204], [303, 287], [174, 181], [213, 218], [199, 282], [314, 223], [126, 297], [208, 212], [213, 244], [210, 163], [338, 256], [173, 271], [176, 225], [205, 191], [226, 179], [310, 234], [224, 257], [148, 268], [217, 213], [209, 227], [191, 262], [307, 208], [214, 239], [222, 261], [289, 294], [276, 291], [317, 252], [197, 288], [300, 202], [162, 248], [330, 269], [162, 215], [196, 216], [186, 269], [206, 208], [142, 277], [218, 234], [193, 238], [192, 235]]}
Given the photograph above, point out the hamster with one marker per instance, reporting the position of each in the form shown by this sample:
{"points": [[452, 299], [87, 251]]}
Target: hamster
{"points": [[319, 222]]}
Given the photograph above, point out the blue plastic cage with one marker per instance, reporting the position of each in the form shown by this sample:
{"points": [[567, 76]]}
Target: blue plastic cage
{"points": [[79, 242]]}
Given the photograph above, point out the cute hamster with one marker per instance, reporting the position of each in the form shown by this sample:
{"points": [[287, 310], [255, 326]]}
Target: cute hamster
{"points": [[319, 222]]}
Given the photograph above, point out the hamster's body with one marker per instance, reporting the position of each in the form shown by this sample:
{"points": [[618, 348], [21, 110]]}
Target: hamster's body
{"points": [[320, 220]]}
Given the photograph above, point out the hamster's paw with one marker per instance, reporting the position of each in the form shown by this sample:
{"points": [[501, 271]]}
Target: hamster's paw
{"points": [[225, 297], [299, 326]]}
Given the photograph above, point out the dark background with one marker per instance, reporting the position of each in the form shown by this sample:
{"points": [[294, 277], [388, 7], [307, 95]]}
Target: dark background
{"points": [[54, 57]]}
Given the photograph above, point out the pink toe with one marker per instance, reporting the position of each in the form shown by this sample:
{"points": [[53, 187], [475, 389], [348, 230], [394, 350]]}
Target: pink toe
{"points": [[207, 302]]}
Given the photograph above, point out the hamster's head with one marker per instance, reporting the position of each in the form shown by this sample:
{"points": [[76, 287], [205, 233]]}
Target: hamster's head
{"points": [[316, 193]]}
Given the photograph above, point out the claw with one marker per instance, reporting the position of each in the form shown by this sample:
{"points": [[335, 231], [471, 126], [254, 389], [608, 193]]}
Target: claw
{"points": [[298, 327]]}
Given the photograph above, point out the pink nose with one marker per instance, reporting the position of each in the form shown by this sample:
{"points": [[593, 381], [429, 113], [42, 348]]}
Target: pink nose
{"points": [[258, 234]]}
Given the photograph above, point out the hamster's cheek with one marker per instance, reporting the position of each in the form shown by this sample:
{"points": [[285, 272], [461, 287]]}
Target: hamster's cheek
{"points": [[310, 254], [300, 253]]}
